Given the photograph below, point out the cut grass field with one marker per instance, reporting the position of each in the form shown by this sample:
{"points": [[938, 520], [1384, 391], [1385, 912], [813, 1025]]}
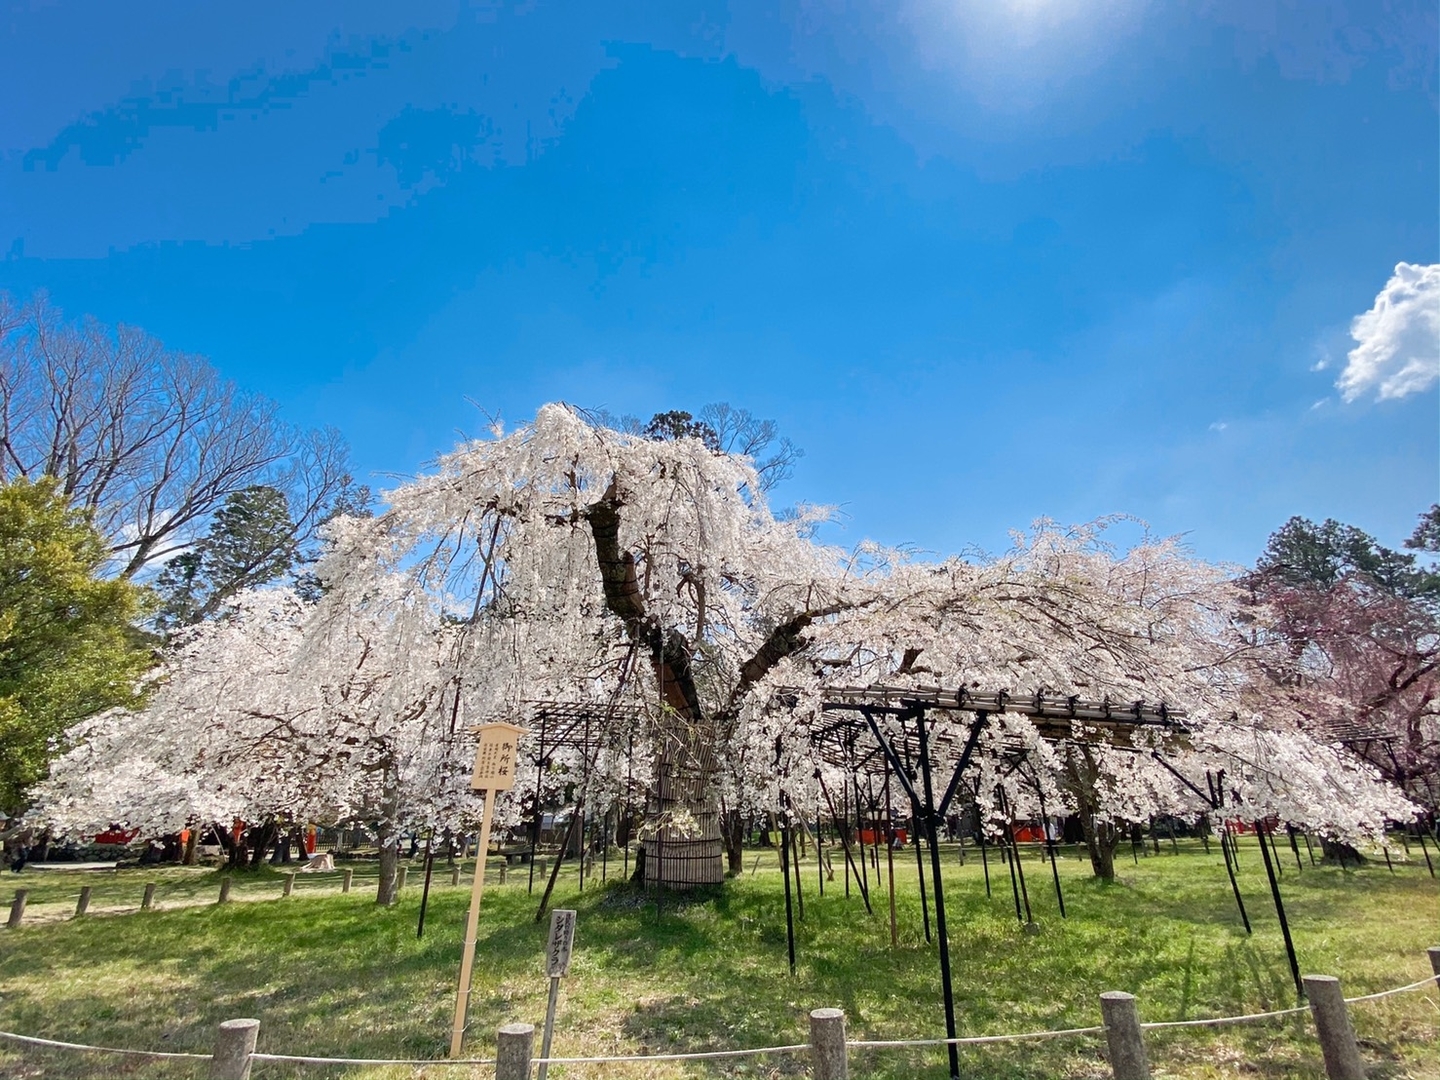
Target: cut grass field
{"points": [[334, 975]]}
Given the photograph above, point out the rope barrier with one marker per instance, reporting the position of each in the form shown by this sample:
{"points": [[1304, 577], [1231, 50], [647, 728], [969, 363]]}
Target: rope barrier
{"points": [[31, 1040], [1433, 979], [1217, 1021], [426, 1062], [972, 1039], [700, 1055]]}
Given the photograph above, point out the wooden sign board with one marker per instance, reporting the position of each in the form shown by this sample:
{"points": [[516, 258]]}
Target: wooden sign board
{"points": [[495, 757], [560, 943]]}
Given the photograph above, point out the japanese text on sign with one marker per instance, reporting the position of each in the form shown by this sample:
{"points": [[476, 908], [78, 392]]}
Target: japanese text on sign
{"points": [[562, 941], [495, 757]]}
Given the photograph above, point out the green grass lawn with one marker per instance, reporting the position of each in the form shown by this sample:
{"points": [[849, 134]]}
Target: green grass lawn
{"points": [[334, 975]]}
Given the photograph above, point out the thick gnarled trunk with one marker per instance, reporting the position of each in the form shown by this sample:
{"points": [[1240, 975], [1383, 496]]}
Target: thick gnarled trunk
{"points": [[682, 838]]}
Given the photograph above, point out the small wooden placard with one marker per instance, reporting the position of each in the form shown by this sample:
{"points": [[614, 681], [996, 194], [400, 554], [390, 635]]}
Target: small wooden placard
{"points": [[495, 757], [562, 941]]}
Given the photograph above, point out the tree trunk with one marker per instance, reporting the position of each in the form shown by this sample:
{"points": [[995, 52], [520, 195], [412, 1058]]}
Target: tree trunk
{"points": [[1100, 840], [1340, 853], [684, 848], [734, 829], [387, 891], [261, 839], [192, 843], [1081, 777]]}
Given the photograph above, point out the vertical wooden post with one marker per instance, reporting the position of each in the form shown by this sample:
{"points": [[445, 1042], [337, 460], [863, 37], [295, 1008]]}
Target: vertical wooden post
{"points": [[1123, 1036], [148, 900], [289, 884], [467, 958], [455, 874], [400, 876], [1332, 1025], [827, 1045], [83, 904], [346, 877], [17, 908], [1434, 953], [514, 1047], [224, 891], [234, 1043]]}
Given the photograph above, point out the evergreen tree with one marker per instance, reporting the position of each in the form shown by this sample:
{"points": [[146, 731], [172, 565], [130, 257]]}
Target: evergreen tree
{"points": [[252, 540]]}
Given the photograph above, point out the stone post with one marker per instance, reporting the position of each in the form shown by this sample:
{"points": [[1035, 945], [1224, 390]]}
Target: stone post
{"points": [[400, 879], [346, 876], [234, 1043], [1123, 1036], [148, 900], [17, 908], [504, 872], [514, 1045], [224, 891], [455, 874], [1332, 1025], [83, 904], [827, 1045], [289, 884]]}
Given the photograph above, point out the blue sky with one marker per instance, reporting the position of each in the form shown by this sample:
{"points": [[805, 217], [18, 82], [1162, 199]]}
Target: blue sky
{"points": [[982, 261]]}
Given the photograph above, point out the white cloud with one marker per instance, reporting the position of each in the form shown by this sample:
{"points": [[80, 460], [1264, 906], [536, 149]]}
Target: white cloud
{"points": [[1219, 425], [1397, 350]]}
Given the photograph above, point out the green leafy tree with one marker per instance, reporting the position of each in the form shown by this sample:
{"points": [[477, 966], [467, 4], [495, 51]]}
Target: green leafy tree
{"points": [[1426, 536], [1303, 554], [68, 644], [252, 540]]}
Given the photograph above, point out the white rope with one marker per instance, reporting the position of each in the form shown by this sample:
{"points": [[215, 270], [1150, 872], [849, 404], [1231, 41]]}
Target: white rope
{"points": [[31, 1040], [1217, 1021], [418, 1062], [56, 1044], [1431, 981], [695, 1056], [971, 1039]]}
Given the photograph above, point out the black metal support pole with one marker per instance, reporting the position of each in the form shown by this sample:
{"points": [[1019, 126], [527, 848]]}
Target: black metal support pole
{"points": [[1010, 860], [785, 873], [795, 861], [1015, 856], [860, 835], [1280, 910], [1050, 847], [1295, 847], [980, 831], [1227, 845], [425, 894], [844, 844], [890, 857], [1274, 851], [1134, 846], [920, 868], [984, 858], [844, 828], [939, 885], [1420, 833], [1309, 850]]}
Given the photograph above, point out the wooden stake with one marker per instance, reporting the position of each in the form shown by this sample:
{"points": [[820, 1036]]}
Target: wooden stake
{"points": [[472, 927]]}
